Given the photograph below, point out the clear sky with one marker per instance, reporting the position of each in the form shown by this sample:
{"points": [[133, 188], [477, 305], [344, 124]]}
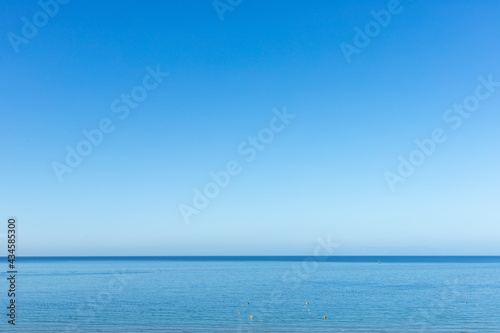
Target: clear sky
{"points": [[324, 173]]}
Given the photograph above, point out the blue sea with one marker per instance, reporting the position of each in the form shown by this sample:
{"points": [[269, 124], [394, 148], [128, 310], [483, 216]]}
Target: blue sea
{"points": [[255, 294]]}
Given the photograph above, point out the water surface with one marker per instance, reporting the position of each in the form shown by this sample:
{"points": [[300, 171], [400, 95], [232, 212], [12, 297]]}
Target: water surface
{"points": [[209, 294]]}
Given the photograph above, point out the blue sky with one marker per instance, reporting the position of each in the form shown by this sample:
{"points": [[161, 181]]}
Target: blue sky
{"points": [[322, 175]]}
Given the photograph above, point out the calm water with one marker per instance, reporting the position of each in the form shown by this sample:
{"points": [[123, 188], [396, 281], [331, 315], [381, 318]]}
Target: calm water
{"points": [[409, 294]]}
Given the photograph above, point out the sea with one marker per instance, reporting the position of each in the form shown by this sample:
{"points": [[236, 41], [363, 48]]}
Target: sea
{"points": [[253, 294]]}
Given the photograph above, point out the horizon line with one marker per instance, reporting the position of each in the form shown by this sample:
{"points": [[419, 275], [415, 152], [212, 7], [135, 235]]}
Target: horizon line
{"points": [[243, 256]]}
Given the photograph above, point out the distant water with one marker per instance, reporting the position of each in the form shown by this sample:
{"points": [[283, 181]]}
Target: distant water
{"points": [[209, 294]]}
